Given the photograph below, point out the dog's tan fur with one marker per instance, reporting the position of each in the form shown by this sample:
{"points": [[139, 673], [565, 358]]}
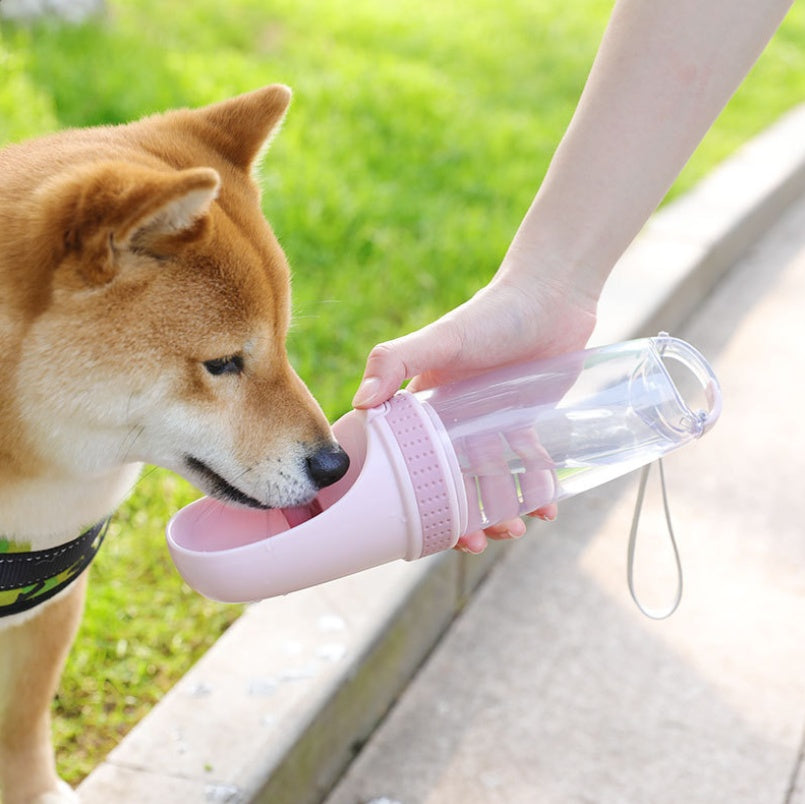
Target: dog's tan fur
{"points": [[131, 256]]}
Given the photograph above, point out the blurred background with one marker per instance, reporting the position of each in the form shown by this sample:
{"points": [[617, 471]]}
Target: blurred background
{"points": [[419, 132]]}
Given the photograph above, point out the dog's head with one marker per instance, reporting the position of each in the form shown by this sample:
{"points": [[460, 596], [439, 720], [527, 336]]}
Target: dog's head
{"points": [[157, 330]]}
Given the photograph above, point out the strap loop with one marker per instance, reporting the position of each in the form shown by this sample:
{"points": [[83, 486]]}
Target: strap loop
{"points": [[654, 614]]}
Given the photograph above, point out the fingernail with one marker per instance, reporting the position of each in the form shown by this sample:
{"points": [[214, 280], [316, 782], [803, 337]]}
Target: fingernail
{"points": [[366, 392], [472, 543]]}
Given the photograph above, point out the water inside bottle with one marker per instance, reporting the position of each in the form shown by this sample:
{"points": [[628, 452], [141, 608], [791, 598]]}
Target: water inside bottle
{"points": [[513, 490], [612, 416]]}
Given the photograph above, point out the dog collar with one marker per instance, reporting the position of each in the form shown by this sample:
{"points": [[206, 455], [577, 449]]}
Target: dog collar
{"points": [[28, 579]]}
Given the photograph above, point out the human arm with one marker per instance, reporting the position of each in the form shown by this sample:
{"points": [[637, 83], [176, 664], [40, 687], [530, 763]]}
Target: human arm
{"points": [[663, 72]]}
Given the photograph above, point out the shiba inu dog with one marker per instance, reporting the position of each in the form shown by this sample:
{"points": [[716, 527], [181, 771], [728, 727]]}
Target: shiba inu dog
{"points": [[144, 303]]}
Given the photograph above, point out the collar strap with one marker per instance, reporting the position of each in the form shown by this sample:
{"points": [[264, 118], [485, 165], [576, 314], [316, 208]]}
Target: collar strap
{"points": [[28, 579]]}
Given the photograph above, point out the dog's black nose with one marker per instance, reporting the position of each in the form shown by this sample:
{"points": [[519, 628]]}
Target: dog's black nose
{"points": [[327, 465]]}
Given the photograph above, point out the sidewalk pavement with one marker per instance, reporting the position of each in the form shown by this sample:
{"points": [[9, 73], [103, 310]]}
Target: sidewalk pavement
{"points": [[552, 688]]}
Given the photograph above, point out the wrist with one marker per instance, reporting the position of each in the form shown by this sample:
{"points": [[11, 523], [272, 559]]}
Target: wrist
{"points": [[543, 266]]}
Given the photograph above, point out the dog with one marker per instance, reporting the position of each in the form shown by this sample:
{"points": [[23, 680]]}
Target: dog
{"points": [[144, 305]]}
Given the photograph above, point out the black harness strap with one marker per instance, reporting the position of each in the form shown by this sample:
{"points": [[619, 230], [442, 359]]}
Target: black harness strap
{"points": [[28, 579]]}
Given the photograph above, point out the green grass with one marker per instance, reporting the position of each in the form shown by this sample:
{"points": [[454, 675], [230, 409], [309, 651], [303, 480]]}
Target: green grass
{"points": [[417, 138], [142, 629]]}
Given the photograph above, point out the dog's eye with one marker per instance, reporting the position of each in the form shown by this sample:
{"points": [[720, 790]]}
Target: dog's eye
{"points": [[224, 365]]}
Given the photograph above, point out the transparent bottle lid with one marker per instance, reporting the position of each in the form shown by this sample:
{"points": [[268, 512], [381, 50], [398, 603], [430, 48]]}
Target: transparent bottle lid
{"points": [[696, 394]]}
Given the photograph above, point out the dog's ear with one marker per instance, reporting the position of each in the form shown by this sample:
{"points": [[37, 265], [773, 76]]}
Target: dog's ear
{"points": [[165, 207], [241, 128], [105, 209]]}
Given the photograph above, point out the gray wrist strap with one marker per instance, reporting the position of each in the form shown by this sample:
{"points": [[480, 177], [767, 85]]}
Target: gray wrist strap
{"points": [[655, 614]]}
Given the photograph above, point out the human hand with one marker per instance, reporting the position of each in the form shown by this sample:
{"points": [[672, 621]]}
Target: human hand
{"points": [[508, 321]]}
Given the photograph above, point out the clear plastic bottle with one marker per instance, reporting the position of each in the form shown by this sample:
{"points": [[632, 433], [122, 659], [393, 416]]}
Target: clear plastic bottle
{"points": [[532, 434]]}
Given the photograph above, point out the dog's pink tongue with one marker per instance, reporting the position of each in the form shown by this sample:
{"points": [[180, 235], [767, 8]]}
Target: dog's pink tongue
{"points": [[296, 516]]}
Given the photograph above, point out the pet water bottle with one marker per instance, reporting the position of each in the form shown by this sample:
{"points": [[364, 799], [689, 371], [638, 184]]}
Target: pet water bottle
{"points": [[427, 467]]}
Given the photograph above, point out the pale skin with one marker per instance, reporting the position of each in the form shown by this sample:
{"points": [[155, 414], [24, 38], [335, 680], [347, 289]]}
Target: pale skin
{"points": [[663, 72]]}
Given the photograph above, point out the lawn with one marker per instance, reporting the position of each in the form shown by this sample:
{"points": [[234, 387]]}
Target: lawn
{"points": [[418, 135]]}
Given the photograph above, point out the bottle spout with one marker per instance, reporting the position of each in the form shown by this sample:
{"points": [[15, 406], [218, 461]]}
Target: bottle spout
{"points": [[386, 507]]}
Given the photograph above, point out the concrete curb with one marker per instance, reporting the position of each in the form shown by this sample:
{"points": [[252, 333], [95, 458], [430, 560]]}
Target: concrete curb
{"points": [[279, 706]]}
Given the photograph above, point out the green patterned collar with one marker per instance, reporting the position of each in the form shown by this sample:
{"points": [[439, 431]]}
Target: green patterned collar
{"points": [[32, 577]]}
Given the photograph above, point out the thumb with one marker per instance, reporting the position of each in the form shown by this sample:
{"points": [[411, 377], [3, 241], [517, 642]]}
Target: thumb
{"points": [[392, 362]]}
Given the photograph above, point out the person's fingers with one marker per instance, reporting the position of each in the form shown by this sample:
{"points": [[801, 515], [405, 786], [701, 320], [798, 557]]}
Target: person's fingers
{"points": [[510, 529], [392, 362], [474, 542], [547, 513], [384, 373]]}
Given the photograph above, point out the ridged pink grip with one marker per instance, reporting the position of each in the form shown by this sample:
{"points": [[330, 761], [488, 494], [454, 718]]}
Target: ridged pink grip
{"points": [[405, 419]]}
